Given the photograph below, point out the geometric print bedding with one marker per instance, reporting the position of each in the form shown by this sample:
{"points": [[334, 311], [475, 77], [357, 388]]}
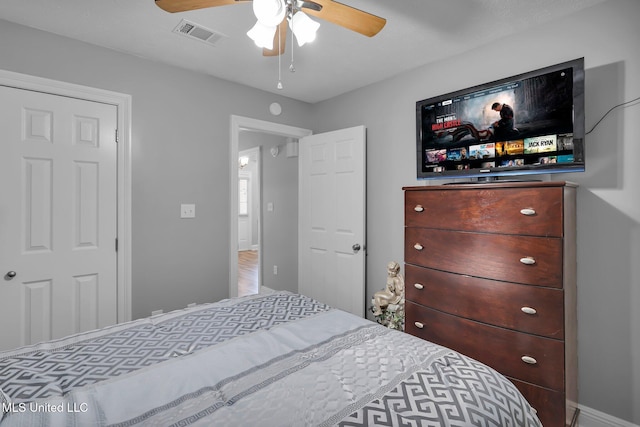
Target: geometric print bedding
{"points": [[272, 360], [440, 396], [35, 372]]}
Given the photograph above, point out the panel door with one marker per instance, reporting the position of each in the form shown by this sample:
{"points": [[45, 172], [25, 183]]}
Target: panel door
{"points": [[245, 230], [58, 158], [332, 200]]}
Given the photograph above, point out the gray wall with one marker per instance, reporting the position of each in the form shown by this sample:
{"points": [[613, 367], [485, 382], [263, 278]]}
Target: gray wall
{"points": [[279, 180], [180, 153], [608, 198]]}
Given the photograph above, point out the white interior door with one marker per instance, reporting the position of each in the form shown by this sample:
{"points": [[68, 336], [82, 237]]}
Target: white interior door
{"points": [[332, 247], [58, 211], [245, 220]]}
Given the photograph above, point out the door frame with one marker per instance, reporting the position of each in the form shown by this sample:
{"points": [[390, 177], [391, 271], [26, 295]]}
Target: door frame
{"points": [[239, 123], [123, 104]]}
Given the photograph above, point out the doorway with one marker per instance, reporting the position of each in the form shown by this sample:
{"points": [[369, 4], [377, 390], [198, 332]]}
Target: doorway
{"points": [[239, 124], [249, 221]]}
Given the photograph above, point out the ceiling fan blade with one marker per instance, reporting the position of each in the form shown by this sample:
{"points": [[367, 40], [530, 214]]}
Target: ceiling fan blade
{"points": [[278, 47], [347, 17], [184, 5]]}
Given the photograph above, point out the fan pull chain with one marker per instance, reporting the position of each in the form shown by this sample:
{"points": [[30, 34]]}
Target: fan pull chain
{"points": [[279, 63], [292, 67]]}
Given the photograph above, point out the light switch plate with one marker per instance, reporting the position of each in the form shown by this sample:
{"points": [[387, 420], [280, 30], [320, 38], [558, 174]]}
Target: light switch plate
{"points": [[187, 210]]}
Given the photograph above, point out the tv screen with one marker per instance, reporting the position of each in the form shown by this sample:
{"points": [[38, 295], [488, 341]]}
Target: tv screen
{"points": [[531, 123]]}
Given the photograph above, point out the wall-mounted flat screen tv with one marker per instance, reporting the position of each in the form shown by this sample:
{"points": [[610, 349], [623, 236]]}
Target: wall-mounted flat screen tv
{"points": [[532, 123]]}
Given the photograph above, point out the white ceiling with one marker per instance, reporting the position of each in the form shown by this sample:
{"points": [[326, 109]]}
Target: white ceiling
{"points": [[417, 32]]}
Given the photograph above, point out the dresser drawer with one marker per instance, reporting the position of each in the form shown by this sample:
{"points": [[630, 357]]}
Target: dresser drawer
{"points": [[502, 349], [521, 259], [549, 404], [527, 211], [526, 308]]}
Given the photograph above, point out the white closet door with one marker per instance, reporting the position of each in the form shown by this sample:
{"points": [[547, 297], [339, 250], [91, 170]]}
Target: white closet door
{"points": [[58, 165]]}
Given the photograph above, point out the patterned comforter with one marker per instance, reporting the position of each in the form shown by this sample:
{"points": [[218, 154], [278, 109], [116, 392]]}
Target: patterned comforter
{"points": [[276, 359]]}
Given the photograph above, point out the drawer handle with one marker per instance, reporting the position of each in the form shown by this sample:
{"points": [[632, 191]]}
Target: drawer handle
{"points": [[528, 260], [418, 247], [418, 208], [528, 359], [419, 325], [528, 211], [528, 310], [418, 286]]}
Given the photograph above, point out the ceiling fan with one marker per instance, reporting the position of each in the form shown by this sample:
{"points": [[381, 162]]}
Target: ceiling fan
{"points": [[274, 15]]}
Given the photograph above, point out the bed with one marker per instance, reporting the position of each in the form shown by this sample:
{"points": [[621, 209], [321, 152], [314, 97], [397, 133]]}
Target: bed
{"points": [[272, 359]]}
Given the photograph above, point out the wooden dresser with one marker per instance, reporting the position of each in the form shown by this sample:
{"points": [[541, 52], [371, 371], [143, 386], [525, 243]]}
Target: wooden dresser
{"points": [[490, 271]]}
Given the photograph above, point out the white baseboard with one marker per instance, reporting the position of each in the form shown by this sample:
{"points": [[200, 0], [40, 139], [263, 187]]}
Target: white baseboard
{"points": [[591, 418]]}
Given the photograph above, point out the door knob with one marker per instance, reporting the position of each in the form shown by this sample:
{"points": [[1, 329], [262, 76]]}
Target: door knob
{"points": [[11, 274], [356, 248]]}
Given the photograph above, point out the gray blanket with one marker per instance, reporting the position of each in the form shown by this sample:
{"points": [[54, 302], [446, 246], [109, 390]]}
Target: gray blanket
{"points": [[278, 359]]}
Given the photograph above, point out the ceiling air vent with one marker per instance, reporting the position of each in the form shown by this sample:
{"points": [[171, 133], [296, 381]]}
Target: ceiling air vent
{"points": [[198, 32]]}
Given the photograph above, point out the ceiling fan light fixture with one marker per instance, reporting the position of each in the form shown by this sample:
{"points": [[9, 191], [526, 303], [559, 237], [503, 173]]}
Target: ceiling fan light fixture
{"points": [[269, 12], [262, 35], [303, 27]]}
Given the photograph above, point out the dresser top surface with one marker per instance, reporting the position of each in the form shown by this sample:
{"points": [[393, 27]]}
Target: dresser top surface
{"points": [[490, 185]]}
